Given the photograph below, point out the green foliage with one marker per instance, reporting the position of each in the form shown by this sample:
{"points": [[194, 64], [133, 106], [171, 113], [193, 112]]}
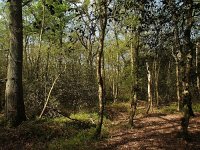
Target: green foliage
{"points": [[196, 107], [79, 141], [46, 129], [85, 116], [171, 109], [2, 120], [57, 133], [70, 29], [121, 106]]}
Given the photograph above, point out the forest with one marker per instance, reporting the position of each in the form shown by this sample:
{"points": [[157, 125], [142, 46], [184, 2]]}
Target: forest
{"points": [[99, 74]]}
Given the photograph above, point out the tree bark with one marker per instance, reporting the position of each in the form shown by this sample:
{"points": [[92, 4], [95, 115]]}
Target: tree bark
{"points": [[188, 53], [102, 5], [116, 85], [177, 80], [177, 86], [176, 51], [48, 97], [40, 40], [134, 74], [168, 83], [14, 106], [197, 53], [149, 79], [156, 78]]}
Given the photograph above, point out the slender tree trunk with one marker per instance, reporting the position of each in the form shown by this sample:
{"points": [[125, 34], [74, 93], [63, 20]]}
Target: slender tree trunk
{"points": [[133, 94], [116, 91], [177, 81], [26, 43], [15, 110], [113, 89], [40, 40], [102, 5], [90, 56], [46, 77], [197, 53], [176, 52], [61, 33], [134, 74], [177, 85], [168, 82], [156, 76], [100, 93], [150, 102], [48, 97], [117, 78]]}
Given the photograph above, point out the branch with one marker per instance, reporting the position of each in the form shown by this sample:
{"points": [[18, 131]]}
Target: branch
{"points": [[47, 100], [26, 3], [48, 97]]}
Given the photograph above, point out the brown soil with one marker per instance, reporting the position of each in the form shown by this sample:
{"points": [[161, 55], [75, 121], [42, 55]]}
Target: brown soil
{"points": [[152, 132]]}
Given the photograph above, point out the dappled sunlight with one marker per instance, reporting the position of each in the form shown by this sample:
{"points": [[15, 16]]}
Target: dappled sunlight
{"points": [[153, 131]]}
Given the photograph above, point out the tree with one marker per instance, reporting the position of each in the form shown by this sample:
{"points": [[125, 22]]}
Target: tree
{"points": [[15, 110], [102, 12], [188, 57], [4, 37], [176, 56], [134, 73]]}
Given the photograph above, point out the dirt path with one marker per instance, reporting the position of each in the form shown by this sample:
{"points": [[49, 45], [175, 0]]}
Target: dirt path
{"points": [[153, 132]]}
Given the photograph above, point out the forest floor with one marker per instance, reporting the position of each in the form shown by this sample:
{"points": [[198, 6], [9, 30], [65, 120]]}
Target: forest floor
{"points": [[156, 131], [160, 130]]}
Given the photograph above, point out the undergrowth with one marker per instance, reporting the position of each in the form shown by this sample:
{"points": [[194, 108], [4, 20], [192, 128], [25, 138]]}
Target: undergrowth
{"points": [[170, 109], [196, 107], [58, 133], [69, 134]]}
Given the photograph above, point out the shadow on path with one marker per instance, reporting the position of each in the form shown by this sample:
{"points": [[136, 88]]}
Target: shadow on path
{"points": [[158, 131]]}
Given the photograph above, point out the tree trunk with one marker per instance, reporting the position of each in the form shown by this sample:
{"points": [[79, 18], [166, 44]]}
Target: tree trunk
{"points": [[177, 85], [40, 40], [150, 102], [168, 83], [100, 93], [188, 53], [176, 52], [134, 74], [116, 91], [177, 80], [49, 94], [197, 53], [15, 110], [156, 78], [102, 4]]}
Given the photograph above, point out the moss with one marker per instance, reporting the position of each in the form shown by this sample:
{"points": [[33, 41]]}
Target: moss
{"points": [[85, 116]]}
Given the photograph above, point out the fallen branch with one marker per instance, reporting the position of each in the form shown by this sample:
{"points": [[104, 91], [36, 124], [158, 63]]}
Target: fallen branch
{"points": [[47, 100]]}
